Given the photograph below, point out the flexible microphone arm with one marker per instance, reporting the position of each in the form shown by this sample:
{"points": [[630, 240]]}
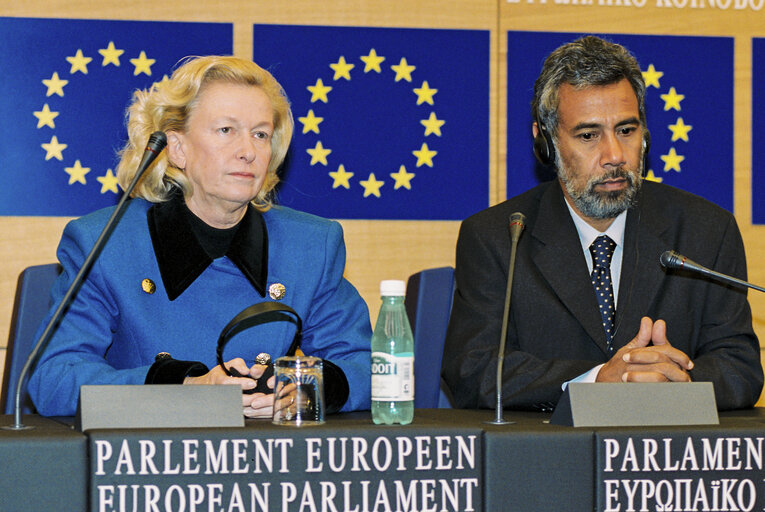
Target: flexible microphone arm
{"points": [[157, 142], [671, 259], [517, 220]]}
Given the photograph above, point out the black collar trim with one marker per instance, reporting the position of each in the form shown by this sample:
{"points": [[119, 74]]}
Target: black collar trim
{"points": [[182, 259]]}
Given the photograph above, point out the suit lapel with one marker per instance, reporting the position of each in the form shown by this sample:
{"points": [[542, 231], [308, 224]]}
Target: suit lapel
{"points": [[559, 258], [641, 275]]}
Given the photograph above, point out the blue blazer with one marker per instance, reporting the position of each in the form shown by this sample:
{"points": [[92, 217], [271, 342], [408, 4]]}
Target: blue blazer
{"points": [[113, 329]]}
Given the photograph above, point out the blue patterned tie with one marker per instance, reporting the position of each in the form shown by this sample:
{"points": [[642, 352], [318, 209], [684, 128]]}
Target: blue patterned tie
{"points": [[602, 249]]}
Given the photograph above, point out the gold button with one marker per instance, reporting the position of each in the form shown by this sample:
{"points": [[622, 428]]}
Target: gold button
{"points": [[277, 291], [148, 286]]}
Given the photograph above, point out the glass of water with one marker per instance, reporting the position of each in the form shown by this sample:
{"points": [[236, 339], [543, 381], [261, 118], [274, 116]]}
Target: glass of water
{"points": [[298, 391]]}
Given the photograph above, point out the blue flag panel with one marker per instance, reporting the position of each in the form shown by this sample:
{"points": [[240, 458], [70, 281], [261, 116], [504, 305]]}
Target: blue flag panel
{"points": [[758, 132], [66, 85], [389, 123], [689, 109]]}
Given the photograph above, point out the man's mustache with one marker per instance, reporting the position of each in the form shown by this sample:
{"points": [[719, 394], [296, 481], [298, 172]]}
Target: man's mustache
{"points": [[615, 174]]}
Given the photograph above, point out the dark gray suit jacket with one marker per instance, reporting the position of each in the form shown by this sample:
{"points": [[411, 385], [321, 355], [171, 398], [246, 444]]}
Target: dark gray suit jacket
{"points": [[555, 332]]}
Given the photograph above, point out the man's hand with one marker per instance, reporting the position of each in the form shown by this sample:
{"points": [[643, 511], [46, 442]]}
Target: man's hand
{"points": [[256, 405], [649, 357]]}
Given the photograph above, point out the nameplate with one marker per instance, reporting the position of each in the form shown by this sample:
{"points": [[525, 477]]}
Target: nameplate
{"points": [[601, 404], [159, 406]]}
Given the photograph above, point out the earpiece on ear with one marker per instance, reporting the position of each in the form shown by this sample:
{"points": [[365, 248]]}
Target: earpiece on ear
{"points": [[544, 149], [646, 148]]}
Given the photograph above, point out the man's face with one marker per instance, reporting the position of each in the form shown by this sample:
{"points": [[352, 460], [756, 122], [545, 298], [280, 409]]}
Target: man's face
{"points": [[599, 148]]}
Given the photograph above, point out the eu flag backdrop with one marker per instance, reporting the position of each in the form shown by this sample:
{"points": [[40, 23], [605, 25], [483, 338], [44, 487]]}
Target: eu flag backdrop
{"points": [[390, 123], [65, 87], [689, 109], [758, 131]]}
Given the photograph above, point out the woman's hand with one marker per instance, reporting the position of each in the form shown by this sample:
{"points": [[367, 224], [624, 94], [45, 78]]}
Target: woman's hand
{"points": [[255, 405], [259, 405]]}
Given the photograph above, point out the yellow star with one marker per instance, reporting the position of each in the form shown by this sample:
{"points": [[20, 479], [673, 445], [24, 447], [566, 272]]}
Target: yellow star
{"points": [[111, 55], [672, 99], [650, 176], [342, 69], [341, 177], [45, 117], [672, 160], [403, 71], [142, 64], [77, 173], [310, 122], [432, 125], [79, 63], [53, 149], [372, 61], [371, 186], [425, 94], [55, 85], [319, 91], [424, 156], [108, 182], [319, 154], [651, 76], [680, 130], [402, 178]]}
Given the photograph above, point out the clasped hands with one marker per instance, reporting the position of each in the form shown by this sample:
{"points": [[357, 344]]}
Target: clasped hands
{"points": [[649, 357], [255, 405]]}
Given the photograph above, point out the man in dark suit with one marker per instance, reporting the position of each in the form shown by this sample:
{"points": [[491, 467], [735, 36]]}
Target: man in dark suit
{"points": [[590, 301]]}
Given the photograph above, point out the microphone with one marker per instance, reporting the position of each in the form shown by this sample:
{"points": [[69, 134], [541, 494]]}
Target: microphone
{"points": [[671, 259], [516, 226], [157, 142]]}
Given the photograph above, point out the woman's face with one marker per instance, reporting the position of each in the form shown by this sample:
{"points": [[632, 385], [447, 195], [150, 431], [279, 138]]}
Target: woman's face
{"points": [[225, 150]]}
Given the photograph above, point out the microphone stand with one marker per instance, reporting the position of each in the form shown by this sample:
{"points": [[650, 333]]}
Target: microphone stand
{"points": [[157, 142], [516, 227]]}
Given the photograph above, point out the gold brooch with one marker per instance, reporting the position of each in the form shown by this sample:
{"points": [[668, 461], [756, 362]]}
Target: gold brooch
{"points": [[148, 286]]}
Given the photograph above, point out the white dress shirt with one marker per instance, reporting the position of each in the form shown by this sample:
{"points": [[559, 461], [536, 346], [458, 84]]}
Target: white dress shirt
{"points": [[587, 235]]}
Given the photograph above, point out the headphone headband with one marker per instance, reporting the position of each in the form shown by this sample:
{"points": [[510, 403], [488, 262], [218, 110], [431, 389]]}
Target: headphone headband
{"points": [[256, 315]]}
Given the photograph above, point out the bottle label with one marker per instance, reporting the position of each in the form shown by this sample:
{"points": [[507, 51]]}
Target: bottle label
{"points": [[392, 377]]}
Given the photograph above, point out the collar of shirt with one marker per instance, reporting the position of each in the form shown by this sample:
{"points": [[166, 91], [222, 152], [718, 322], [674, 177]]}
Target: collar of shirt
{"points": [[181, 257], [588, 234]]}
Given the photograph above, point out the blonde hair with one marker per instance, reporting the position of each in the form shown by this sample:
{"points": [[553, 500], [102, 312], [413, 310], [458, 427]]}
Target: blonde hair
{"points": [[167, 105]]}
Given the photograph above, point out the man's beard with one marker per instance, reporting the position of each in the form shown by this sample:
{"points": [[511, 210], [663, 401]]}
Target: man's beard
{"points": [[601, 205]]}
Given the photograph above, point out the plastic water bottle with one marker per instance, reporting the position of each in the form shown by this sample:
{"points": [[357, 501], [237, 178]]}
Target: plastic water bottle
{"points": [[392, 359]]}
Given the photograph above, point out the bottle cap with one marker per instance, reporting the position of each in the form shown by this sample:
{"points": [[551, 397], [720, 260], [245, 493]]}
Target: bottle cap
{"points": [[392, 288]]}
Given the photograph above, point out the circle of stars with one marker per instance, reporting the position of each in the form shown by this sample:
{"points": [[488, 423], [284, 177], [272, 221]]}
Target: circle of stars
{"points": [[672, 101], [78, 63], [373, 63]]}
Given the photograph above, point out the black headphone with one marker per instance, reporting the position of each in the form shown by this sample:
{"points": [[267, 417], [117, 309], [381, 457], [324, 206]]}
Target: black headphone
{"points": [[544, 149]]}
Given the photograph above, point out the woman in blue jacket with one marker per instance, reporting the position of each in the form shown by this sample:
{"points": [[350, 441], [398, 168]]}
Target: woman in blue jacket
{"points": [[200, 242]]}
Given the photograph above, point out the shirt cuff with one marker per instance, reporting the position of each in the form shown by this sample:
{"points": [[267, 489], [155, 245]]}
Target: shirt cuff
{"points": [[590, 376], [173, 371], [336, 389]]}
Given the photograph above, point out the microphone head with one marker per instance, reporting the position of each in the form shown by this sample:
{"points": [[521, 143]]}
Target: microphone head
{"points": [[665, 259], [517, 222], [157, 141], [518, 218], [671, 259]]}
